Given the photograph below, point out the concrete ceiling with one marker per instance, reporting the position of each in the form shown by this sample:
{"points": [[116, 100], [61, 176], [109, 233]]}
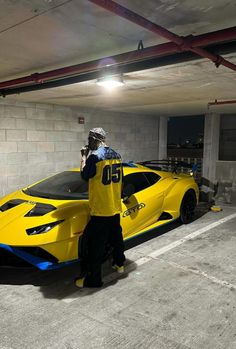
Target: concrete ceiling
{"points": [[40, 35]]}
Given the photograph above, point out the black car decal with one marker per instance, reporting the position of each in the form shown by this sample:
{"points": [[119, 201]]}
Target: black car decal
{"points": [[133, 209]]}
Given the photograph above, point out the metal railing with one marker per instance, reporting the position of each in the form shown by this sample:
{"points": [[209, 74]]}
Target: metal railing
{"points": [[189, 160]]}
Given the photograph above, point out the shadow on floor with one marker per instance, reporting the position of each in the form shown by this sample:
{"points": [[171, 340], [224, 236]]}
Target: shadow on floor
{"points": [[59, 283]]}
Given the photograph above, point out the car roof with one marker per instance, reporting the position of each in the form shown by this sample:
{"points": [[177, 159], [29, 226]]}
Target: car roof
{"points": [[136, 168]]}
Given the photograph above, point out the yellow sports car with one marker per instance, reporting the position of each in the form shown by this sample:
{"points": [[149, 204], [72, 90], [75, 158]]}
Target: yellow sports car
{"points": [[43, 223]]}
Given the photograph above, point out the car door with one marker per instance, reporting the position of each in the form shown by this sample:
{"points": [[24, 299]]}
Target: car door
{"points": [[144, 206]]}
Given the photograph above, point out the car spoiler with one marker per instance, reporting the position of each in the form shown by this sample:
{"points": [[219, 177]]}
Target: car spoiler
{"points": [[174, 166]]}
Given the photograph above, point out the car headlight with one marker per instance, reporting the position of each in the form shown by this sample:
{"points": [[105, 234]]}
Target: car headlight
{"points": [[41, 229]]}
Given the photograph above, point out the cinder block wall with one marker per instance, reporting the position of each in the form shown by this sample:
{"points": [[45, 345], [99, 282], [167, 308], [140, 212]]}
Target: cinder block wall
{"points": [[134, 137], [37, 140], [226, 179]]}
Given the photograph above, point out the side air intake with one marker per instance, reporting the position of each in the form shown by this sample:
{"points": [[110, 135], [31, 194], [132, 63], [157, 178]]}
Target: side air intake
{"points": [[10, 204], [40, 210], [165, 216]]}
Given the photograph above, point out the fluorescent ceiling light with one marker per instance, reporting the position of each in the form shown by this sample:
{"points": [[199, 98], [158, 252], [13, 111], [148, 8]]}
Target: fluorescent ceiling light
{"points": [[110, 82]]}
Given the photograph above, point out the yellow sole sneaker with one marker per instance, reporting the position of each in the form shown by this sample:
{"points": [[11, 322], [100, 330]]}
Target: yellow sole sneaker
{"points": [[79, 282], [119, 270]]}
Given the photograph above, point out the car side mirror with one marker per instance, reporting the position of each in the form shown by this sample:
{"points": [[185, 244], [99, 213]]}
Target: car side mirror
{"points": [[128, 190]]}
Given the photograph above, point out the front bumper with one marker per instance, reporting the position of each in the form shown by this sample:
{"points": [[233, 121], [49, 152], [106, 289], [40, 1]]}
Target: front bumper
{"points": [[38, 262]]}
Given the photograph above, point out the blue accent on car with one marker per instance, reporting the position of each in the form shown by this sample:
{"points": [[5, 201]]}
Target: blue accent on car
{"points": [[129, 164], [38, 262]]}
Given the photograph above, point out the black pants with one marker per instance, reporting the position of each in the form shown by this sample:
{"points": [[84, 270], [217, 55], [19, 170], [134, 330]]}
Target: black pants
{"points": [[99, 232]]}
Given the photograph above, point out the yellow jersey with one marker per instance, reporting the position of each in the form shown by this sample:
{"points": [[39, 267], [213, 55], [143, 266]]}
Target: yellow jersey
{"points": [[103, 170]]}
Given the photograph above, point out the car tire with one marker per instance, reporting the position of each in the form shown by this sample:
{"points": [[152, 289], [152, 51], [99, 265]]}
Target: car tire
{"points": [[187, 208]]}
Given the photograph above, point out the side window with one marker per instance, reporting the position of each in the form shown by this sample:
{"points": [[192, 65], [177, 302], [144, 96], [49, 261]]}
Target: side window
{"points": [[152, 177], [137, 180]]}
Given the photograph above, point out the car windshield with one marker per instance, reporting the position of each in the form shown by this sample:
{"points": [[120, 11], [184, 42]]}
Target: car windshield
{"points": [[66, 185]]}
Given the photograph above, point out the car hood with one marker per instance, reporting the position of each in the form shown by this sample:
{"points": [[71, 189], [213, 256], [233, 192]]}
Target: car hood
{"points": [[19, 212]]}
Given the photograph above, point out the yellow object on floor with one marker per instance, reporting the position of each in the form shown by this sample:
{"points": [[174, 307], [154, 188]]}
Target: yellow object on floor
{"points": [[79, 282], [216, 208]]}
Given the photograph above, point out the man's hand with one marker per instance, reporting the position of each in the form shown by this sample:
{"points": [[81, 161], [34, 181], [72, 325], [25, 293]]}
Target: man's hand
{"points": [[84, 151]]}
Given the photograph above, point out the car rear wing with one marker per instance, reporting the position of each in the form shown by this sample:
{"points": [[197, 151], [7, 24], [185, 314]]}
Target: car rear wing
{"points": [[174, 166]]}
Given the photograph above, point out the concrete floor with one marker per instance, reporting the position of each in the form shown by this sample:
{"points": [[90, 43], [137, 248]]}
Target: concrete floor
{"points": [[179, 292]]}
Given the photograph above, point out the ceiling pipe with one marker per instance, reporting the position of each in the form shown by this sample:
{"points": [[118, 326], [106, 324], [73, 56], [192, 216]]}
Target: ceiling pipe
{"points": [[233, 101], [228, 34], [128, 67], [224, 35], [183, 42], [116, 69], [157, 50]]}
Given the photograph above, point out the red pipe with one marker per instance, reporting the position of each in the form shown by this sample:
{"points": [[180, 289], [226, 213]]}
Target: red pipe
{"points": [[123, 12], [218, 60], [132, 56], [221, 102], [228, 34], [152, 51]]}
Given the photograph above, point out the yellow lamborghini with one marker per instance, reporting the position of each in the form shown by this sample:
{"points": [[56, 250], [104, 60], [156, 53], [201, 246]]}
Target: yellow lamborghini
{"points": [[43, 222]]}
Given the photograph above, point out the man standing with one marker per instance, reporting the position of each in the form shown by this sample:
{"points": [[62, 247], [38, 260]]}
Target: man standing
{"points": [[101, 167]]}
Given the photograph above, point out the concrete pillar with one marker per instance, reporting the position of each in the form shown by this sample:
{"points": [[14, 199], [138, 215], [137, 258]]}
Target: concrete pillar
{"points": [[162, 144], [211, 146]]}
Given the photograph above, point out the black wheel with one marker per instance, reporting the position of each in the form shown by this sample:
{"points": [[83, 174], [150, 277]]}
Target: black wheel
{"points": [[187, 208]]}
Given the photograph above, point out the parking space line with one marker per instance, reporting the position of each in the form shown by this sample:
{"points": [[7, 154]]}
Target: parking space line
{"points": [[202, 273], [190, 236], [153, 255]]}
